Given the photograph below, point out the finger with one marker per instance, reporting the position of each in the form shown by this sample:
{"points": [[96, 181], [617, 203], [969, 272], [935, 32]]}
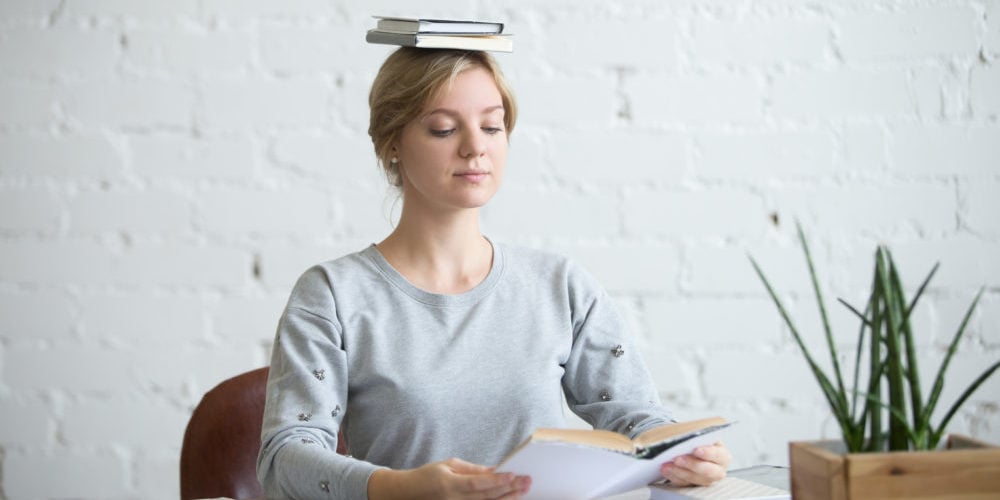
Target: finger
{"points": [[716, 453], [676, 475], [522, 484], [491, 485], [689, 469], [460, 466]]}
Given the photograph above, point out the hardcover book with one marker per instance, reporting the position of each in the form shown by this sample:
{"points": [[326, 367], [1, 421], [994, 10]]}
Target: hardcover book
{"points": [[496, 43], [414, 25], [582, 463]]}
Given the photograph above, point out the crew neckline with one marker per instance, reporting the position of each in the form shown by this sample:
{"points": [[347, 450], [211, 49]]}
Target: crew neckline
{"points": [[465, 298]]}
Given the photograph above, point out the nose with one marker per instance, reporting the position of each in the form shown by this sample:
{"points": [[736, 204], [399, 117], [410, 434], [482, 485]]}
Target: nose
{"points": [[473, 144]]}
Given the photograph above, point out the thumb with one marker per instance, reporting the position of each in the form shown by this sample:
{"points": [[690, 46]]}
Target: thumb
{"points": [[462, 467]]}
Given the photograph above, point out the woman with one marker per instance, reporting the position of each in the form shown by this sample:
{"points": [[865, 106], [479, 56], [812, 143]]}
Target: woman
{"points": [[437, 350]]}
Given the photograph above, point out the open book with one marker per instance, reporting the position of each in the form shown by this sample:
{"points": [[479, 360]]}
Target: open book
{"points": [[581, 463]]}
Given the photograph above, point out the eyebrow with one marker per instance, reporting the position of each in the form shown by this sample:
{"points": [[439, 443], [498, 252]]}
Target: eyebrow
{"points": [[451, 112]]}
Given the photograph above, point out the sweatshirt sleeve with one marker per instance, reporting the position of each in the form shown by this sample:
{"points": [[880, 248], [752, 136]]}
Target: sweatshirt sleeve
{"points": [[606, 381], [306, 402]]}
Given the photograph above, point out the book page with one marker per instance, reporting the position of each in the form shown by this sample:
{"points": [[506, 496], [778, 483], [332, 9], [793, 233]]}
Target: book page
{"points": [[668, 432], [646, 471], [593, 437], [561, 470]]}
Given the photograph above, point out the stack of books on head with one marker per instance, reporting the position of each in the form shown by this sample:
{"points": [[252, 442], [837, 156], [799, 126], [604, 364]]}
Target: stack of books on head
{"points": [[440, 34]]}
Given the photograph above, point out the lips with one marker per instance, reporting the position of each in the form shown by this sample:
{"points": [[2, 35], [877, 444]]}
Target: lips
{"points": [[473, 175]]}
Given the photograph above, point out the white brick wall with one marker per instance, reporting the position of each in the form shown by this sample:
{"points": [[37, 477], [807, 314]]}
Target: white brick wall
{"points": [[168, 168]]}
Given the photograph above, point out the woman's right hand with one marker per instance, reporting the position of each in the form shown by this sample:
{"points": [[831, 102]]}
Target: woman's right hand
{"points": [[452, 478]]}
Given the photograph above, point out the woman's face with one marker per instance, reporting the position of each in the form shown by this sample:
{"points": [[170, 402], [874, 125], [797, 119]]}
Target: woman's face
{"points": [[453, 155]]}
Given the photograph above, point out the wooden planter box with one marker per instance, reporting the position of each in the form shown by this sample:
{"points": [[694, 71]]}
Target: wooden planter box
{"points": [[965, 468]]}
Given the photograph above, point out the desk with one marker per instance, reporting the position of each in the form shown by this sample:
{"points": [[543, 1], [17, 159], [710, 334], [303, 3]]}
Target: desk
{"points": [[770, 475]]}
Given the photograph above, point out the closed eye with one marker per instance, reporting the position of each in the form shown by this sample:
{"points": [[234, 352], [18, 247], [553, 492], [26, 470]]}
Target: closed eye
{"points": [[492, 130], [442, 132]]}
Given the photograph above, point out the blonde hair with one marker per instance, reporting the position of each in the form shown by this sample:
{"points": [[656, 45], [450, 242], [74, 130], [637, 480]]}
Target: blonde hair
{"points": [[408, 79]]}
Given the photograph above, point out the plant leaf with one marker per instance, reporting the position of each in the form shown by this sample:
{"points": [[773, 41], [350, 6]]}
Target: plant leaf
{"points": [[952, 348], [936, 435], [912, 370], [826, 321], [835, 400]]}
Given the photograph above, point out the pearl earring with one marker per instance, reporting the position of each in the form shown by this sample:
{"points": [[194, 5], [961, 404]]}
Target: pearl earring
{"points": [[393, 160]]}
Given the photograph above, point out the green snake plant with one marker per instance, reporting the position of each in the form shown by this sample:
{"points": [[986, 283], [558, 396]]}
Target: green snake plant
{"points": [[888, 411]]}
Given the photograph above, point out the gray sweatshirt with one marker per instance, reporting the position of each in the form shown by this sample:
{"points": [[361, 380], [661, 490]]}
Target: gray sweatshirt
{"points": [[412, 377]]}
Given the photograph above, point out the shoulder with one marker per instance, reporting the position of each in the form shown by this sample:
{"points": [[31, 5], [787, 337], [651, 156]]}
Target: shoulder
{"points": [[548, 265], [319, 280]]}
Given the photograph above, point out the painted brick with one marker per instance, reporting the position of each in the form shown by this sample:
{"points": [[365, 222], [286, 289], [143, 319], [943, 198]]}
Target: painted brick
{"points": [[35, 368], [914, 32], [727, 269], [65, 157], [550, 213], [695, 214], [88, 263], [190, 51], [57, 51], [714, 321], [119, 103], [562, 101], [163, 365], [945, 315], [156, 475], [769, 429], [841, 93], [618, 156], [236, 104], [991, 38], [27, 9], [147, 212], [562, 43], [982, 204], [26, 104], [781, 376], [926, 208], [985, 99], [759, 41], [945, 150], [363, 213], [959, 377], [630, 268], [248, 318], [253, 10], [29, 210], [81, 475], [188, 158], [864, 149], [345, 159], [298, 211], [527, 157], [940, 92], [127, 316], [676, 375], [967, 263], [694, 99], [127, 10], [139, 422], [26, 423], [308, 49], [765, 155], [282, 264], [36, 315]]}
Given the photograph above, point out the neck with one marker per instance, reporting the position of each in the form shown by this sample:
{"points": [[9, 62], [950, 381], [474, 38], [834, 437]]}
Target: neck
{"points": [[445, 253]]}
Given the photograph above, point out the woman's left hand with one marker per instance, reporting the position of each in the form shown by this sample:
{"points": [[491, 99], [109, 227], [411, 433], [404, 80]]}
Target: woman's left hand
{"points": [[704, 466]]}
